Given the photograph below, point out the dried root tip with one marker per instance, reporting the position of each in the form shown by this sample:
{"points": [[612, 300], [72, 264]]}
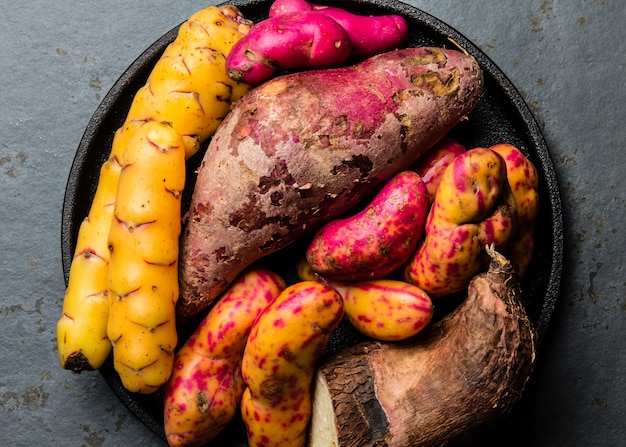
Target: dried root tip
{"points": [[498, 262], [496, 256], [77, 363]]}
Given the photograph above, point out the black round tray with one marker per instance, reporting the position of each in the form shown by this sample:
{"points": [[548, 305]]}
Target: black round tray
{"points": [[501, 116]]}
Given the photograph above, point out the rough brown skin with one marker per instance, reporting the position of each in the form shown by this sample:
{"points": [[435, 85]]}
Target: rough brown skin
{"points": [[303, 148], [455, 379]]}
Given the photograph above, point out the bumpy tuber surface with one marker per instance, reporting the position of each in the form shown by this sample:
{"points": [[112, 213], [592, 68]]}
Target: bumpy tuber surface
{"points": [[189, 88], [143, 266], [458, 377]]}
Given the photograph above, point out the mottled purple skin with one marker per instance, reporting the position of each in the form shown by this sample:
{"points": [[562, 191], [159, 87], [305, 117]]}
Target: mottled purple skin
{"points": [[304, 148], [369, 35], [296, 40], [377, 240]]}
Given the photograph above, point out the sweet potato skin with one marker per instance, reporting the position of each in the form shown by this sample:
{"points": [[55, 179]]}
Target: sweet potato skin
{"points": [[301, 149]]}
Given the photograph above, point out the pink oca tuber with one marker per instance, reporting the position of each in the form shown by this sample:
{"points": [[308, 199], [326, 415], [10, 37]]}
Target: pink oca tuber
{"points": [[369, 35], [296, 40]]}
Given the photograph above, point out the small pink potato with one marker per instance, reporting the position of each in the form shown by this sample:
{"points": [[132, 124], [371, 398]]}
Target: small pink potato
{"points": [[296, 40], [386, 309], [431, 165], [369, 35], [280, 7], [377, 240]]}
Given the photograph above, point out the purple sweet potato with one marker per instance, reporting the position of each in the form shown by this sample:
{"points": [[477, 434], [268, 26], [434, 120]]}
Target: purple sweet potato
{"points": [[304, 148], [296, 40], [370, 35]]}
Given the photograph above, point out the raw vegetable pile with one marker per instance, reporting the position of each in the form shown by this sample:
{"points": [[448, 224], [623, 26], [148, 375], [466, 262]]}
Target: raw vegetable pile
{"points": [[323, 132]]}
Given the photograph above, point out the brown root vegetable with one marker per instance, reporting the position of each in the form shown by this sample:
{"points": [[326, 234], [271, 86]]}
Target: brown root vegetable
{"points": [[304, 148], [455, 379]]}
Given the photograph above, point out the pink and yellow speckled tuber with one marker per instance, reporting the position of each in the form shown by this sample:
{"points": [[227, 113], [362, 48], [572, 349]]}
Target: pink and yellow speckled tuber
{"points": [[204, 391], [473, 207], [280, 360], [188, 88], [377, 240], [524, 182], [387, 309], [382, 309]]}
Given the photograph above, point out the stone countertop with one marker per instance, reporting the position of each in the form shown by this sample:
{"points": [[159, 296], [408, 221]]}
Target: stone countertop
{"points": [[565, 57]]}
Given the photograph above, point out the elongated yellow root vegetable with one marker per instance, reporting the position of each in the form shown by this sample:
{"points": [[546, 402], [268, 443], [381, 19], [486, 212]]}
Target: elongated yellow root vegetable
{"points": [[143, 269], [189, 88]]}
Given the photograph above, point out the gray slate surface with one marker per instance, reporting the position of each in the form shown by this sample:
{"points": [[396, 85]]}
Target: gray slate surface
{"points": [[59, 59]]}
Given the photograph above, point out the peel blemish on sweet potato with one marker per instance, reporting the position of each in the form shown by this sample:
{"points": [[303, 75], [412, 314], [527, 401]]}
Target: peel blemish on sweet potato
{"points": [[302, 149], [458, 377]]}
